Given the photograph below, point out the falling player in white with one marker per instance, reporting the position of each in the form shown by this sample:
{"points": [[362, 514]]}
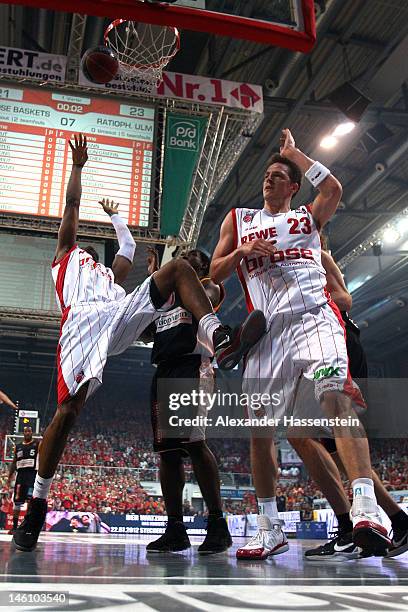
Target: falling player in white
{"points": [[277, 254], [99, 320]]}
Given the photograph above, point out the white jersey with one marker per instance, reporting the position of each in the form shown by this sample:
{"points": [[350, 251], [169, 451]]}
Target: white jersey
{"points": [[98, 319], [78, 279], [290, 281]]}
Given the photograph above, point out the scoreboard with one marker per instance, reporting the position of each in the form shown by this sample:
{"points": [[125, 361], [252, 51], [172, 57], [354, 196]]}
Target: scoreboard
{"points": [[35, 158]]}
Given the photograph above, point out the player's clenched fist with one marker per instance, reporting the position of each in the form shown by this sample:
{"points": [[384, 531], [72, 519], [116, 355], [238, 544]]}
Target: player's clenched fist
{"points": [[258, 247], [286, 142]]}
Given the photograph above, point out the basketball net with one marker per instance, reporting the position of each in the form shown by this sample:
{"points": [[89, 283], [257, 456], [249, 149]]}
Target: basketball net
{"points": [[143, 50]]}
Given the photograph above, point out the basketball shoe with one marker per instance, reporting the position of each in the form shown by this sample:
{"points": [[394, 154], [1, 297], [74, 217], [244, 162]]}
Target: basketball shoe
{"points": [[26, 535], [174, 539], [369, 533], [218, 538], [230, 345], [340, 547], [269, 540], [399, 543]]}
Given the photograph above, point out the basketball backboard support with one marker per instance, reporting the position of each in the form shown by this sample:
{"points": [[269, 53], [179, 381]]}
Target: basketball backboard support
{"points": [[282, 23]]}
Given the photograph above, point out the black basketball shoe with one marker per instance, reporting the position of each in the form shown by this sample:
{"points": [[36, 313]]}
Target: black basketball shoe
{"points": [[230, 345], [174, 539], [26, 535], [399, 543], [218, 538], [340, 547]]}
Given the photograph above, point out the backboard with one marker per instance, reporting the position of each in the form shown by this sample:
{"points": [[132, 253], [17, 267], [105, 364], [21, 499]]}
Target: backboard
{"points": [[282, 23]]}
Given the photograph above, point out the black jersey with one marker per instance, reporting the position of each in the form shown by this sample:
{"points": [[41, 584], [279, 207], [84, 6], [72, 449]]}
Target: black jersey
{"points": [[176, 335], [26, 460]]}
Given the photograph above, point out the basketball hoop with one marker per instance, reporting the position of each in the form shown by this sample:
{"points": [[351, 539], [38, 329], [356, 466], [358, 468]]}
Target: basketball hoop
{"points": [[143, 50]]}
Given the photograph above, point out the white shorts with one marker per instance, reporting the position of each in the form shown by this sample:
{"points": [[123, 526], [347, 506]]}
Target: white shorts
{"points": [[308, 346], [90, 332]]}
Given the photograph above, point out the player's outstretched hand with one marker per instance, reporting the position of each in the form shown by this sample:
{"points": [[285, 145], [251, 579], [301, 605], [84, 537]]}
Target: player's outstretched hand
{"points": [[79, 150], [152, 260], [286, 142], [109, 206]]}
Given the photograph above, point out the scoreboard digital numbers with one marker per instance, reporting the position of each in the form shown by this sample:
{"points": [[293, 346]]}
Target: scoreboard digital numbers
{"points": [[35, 158]]}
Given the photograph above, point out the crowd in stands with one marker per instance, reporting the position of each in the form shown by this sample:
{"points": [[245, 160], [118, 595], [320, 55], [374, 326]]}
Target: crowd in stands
{"points": [[105, 440]]}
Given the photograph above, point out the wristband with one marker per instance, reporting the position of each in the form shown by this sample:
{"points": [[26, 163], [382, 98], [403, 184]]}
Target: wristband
{"points": [[127, 245], [317, 173]]}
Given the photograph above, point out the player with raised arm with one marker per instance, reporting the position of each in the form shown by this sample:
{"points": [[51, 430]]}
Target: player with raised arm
{"points": [[304, 338], [99, 319]]}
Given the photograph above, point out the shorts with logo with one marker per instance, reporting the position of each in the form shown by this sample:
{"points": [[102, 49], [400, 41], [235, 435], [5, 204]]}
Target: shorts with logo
{"points": [[91, 332], [358, 369], [300, 351], [187, 368], [23, 489]]}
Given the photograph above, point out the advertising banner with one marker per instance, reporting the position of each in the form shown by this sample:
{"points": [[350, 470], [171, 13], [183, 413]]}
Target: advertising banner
{"points": [[311, 530], [193, 88], [231, 493], [32, 64], [75, 522], [148, 523], [184, 139]]}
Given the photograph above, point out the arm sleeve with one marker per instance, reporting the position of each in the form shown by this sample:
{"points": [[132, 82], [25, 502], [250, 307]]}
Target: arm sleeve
{"points": [[127, 245]]}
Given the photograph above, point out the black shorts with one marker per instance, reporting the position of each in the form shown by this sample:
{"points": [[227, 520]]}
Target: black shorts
{"points": [[185, 367], [356, 354], [23, 490]]}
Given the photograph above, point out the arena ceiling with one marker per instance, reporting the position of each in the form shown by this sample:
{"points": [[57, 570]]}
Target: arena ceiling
{"points": [[359, 42]]}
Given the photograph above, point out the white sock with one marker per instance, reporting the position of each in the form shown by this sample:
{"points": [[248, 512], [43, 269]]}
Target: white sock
{"points": [[365, 487], [267, 506], [206, 327], [42, 487]]}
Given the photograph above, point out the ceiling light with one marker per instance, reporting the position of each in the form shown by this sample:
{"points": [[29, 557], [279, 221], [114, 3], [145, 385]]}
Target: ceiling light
{"points": [[402, 225], [344, 128], [391, 235], [328, 142]]}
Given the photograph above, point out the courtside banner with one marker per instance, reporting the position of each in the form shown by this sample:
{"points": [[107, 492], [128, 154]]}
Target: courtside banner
{"points": [[32, 64], [68, 521], [150, 523], [204, 90]]}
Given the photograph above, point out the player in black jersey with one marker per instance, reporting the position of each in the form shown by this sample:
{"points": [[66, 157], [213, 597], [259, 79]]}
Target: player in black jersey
{"points": [[321, 458], [178, 355], [25, 463]]}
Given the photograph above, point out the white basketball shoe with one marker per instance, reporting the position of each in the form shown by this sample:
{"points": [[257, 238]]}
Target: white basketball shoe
{"points": [[368, 531], [269, 540]]}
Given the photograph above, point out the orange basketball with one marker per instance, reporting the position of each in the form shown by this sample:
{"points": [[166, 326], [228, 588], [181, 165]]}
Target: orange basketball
{"points": [[100, 65]]}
